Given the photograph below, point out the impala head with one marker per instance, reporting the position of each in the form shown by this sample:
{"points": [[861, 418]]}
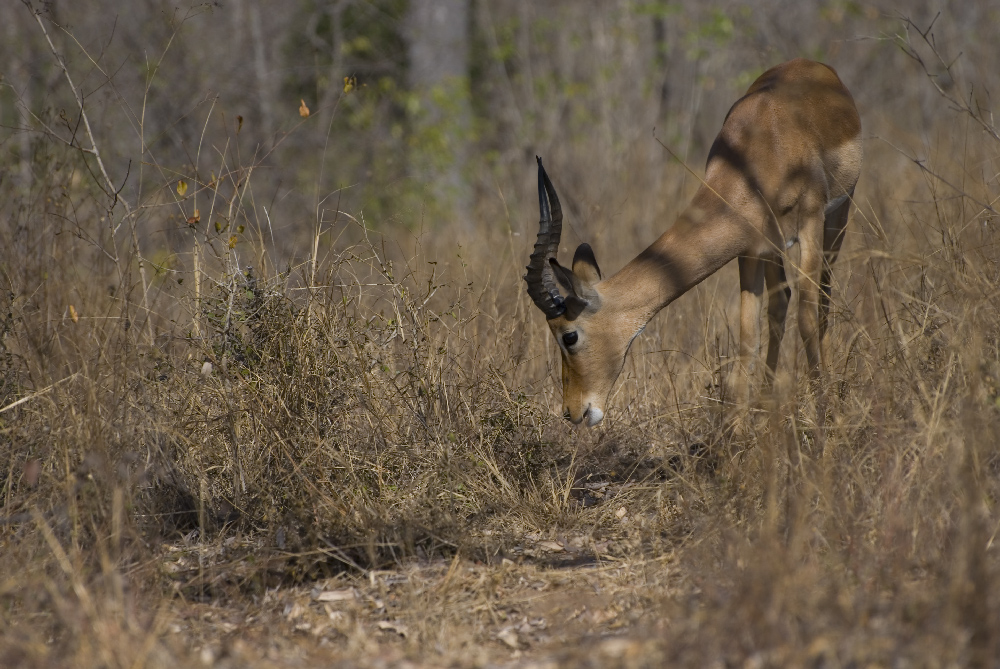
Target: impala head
{"points": [[590, 339]]}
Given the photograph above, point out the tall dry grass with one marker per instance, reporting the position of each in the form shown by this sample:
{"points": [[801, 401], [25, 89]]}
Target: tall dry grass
{"points": [[247, 426]]}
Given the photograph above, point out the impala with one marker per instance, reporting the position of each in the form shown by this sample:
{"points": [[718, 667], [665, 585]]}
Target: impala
{"points": [[782, 170]]}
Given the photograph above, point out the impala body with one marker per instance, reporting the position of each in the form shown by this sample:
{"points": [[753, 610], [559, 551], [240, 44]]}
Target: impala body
{"points": [[782, 170]]}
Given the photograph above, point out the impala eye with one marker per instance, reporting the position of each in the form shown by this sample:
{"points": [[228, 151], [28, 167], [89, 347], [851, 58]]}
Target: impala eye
{"points": [[570, 338]]}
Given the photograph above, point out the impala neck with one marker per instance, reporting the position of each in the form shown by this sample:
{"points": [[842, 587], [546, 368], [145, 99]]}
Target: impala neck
{"points": [[706, 236]]}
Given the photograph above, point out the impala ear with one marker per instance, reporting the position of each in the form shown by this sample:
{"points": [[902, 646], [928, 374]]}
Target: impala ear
{"points": [[579, 295], [585, 264], [566, 278]]}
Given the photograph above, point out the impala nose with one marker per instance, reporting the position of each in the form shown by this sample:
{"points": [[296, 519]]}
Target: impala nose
{"points": [[592, 415], [568, 415]]}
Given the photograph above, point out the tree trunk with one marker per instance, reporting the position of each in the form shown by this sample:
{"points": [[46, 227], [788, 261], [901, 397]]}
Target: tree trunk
{"points": [[438, 37]]}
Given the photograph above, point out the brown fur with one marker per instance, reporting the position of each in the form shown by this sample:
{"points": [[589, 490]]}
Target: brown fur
{"points": [[783, 168]]}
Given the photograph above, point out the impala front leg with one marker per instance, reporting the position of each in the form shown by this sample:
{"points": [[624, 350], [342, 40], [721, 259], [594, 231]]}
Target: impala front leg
{"points": [[751, 294], [810, 269], [833, 238], [778, 294]]}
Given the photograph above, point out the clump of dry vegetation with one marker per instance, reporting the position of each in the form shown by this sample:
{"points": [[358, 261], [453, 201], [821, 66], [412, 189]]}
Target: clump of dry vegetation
{"points": [[240, 459]]}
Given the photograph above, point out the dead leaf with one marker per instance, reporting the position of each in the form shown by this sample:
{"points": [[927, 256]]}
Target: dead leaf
{"points": [[182, 188], [343, 595], [193, 220], [75, 317], [509, 637], [616, 647], [207, 656], [398, 628], [551, 546], [303, 110], [294, 611], [603, 616], [338, 617]]}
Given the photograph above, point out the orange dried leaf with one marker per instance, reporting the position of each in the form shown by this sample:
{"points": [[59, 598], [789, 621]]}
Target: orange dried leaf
{"points": [[303, 110], [194, 220], [75, 317]]}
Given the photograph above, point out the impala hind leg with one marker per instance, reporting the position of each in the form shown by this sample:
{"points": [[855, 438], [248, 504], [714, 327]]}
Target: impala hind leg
{"points": [[811, 262], [751, 296], [833, 238], [778, 294]]}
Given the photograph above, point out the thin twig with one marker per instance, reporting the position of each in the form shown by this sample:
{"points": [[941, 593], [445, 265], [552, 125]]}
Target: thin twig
{"points": [[28, 398], [112, 190]]}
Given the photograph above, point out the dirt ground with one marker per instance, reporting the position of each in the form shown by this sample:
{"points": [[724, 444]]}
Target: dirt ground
{"points": [[555, 610]]}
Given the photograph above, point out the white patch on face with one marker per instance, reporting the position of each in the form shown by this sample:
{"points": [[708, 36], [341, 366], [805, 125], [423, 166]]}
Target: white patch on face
{"points": [[594, 416]]}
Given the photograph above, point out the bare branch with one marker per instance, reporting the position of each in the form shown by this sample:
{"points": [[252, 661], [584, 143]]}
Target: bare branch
{"points": [[109, 185], [970, 107]]}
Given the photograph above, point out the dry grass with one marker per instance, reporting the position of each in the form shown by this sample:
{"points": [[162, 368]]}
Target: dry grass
{"points": [[359, 462]]}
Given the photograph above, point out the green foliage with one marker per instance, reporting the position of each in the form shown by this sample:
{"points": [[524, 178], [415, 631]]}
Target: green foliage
{"points": [[362, 39], [660, 9], [367, 124], [715, 30]]}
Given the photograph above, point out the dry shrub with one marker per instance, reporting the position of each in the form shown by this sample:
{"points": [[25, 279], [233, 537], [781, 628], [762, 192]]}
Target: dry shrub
{"points": [[361, 422], [384, 405]]}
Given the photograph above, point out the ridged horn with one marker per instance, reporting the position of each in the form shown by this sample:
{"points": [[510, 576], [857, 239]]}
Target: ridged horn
{"points": [[540, 278]]}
